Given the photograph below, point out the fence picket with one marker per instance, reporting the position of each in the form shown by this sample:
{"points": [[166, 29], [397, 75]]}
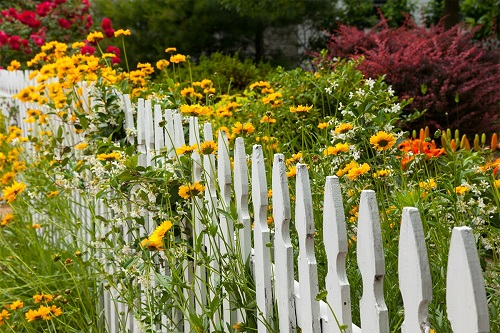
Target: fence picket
{"points": [[465, 294], [262, 252], [225, 224], [158, 129], [308, 271], [371, 263], [169, 132], [283, 249], [414, 273], [241, 194], [337, 285]]}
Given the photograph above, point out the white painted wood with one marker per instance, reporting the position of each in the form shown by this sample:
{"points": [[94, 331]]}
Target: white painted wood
{"points": [[466, 303], [179, 140], [169, 133], [370, 255], [225, 224], [158, 130], [241, 192], [283, 249], [414, 273], [212, 244], [335, 240], [308, 272], [129, 118], [149, 131], [141, 136], [262, 274]]}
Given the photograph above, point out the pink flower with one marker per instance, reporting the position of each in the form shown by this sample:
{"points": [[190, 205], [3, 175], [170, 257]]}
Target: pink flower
{"points": [[115, 60], [44, 8], [106, 26], [113, 49], [87, 49]]}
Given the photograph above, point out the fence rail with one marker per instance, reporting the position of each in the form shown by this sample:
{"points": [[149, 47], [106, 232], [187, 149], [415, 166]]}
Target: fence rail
{"points": [[274, 270]]}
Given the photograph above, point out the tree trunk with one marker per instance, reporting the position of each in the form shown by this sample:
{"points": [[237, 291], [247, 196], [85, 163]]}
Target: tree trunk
{"points": [[451, 9]]}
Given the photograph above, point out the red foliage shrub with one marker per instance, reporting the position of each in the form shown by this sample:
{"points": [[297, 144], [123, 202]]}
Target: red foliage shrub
{"points": [[446, 72]]}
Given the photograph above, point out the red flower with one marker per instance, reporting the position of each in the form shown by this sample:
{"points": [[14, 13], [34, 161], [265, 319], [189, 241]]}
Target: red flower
{"points": [[4, 38], [87, 49], [106, 26], [14, 42], [89, 22], [58, 2], [44, 8], [64, 23], [113, 49], [115, 60]]}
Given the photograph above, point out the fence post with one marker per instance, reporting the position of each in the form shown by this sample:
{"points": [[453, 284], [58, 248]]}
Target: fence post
{"points": [[414, 273]]}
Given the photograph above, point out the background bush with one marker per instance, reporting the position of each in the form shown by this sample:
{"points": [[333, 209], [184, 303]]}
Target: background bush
{"points": [[447, 73]]}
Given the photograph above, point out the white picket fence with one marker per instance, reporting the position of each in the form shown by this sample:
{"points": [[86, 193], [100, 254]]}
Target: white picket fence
{"points": [[273, 266]]}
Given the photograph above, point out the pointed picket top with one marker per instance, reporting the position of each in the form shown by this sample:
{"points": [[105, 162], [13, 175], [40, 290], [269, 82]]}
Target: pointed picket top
{"points": [[169, 132], [335, 236], [307, 267], [179, 140], [141, 137], [414, 273], [241, 194], [129, 119], [371, 262], [466, 303], [262, 253], [158, 129], [283, 249]]}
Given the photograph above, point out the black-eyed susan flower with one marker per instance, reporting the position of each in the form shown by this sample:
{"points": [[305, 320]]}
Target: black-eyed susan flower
{"points": [[10, 193], [246, 128], [300, 109], [178, 58], [170, 49], [162, 64], [461, 190], [113, 156], [95, 36], [208, 147], [267, 119], [81, 146], [381, 173], [15, 305], [121, 32], [155, 240], [339, 148], [14, 65], [4, 315], [8, 177], [45, 298], [322, 125], [343, 128], [354, 173], [191, 190], [382, 140], [6, 220], [185, 149]]}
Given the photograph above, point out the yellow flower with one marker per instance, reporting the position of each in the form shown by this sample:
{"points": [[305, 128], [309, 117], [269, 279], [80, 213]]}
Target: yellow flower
{"points": [[339, 148], [294, 158], [170, 49], [52, 194], [260, 84], [208, 147], [36, 226], [497, 183], [11, 192], [121, 32], [55, 311], [461, 189], [431, 184], [195, 110], [292, 171], [155, 240], [42, 298], [4, 315], [95, 36], [162, 64], [382, 140], [42, 313], [81, 146], [322, 125], [240, 128], [14, 65], [6, 220], [354, 173], [301, 109], [343, 128], [382, 173], [267, 119], [15, 305], [77, 45], [190, 190], [109, 157], [8, 177], [185, 149], [178, 58], [237, 327]]}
